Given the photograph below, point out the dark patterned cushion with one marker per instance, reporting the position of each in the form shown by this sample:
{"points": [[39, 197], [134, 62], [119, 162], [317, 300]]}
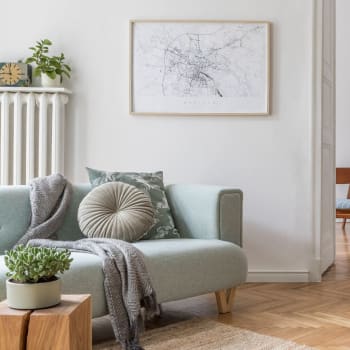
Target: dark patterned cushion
{"points": [[151, 184]]}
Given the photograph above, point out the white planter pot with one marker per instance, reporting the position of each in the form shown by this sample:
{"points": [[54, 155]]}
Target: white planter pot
{"points": [[46, 81], [33, 295]]}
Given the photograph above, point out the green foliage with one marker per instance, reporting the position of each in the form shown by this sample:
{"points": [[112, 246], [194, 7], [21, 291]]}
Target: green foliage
{"points": [[36, 264], [50, 65]]}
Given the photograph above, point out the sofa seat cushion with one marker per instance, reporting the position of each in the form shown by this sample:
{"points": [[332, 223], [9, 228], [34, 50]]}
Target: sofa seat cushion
{"points": [[178, 268], [342, 204], [84, 276], [181, 268]]}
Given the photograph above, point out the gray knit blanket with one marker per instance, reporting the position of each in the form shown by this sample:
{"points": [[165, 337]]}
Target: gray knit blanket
{"points": [[127, 284], [49, 198]]}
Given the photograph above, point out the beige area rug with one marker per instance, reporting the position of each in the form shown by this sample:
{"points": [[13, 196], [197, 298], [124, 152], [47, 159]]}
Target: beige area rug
{"points": [[206, 334]]}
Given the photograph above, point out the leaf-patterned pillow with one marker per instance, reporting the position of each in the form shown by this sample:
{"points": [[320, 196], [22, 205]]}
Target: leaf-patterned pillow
{"points": [[151, 184]]}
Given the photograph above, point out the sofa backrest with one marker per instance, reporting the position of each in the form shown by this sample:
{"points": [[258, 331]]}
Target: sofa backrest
{"points": [[70, 230], [15, 214], [199, 211]]}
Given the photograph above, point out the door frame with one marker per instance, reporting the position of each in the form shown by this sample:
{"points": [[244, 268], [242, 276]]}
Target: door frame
{"points": [[323, 30]]}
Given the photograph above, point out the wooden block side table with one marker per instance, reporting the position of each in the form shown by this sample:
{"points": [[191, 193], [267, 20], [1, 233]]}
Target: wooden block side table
{"points": [[13, 328], [66, 326]]}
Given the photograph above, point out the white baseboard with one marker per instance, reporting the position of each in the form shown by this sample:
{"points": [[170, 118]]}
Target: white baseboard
{"points": [[265, 276]]}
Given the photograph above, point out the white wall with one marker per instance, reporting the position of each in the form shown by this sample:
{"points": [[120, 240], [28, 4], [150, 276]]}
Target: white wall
{"points": [[267, 157], [343, 90]]}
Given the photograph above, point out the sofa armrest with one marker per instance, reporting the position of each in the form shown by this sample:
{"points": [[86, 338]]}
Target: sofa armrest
{"points": [[209, 212]]}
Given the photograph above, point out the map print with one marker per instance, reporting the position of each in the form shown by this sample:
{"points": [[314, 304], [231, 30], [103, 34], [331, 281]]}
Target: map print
{"points": [[199, 67]]}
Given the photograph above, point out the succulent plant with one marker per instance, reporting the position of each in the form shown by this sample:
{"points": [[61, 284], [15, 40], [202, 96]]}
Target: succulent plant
{"points": [[28, 264]]}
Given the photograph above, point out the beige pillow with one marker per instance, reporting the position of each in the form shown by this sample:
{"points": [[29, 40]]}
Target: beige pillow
{"points": [[116, 210]]}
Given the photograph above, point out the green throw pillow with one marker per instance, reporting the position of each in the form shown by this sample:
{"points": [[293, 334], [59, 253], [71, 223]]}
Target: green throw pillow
{"points": [[151, 184]]}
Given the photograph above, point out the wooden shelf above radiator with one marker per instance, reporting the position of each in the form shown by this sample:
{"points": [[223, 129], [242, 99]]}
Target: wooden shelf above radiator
{"points": [[49, 90]]}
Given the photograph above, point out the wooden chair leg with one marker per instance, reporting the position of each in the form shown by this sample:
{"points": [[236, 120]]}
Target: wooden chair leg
{"points": [[344, 223], [225, 299]]}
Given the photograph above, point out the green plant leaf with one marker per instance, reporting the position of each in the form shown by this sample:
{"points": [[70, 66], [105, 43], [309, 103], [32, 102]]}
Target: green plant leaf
{"points": [[37, 71], [51, 74], [66, 73]]}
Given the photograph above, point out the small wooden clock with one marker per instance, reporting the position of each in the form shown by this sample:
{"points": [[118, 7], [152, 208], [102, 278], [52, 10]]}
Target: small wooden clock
{"points": [[15, 74]]}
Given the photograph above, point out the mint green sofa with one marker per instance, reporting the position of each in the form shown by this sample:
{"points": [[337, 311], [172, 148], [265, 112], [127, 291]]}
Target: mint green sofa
{"points": [[208, 257]]}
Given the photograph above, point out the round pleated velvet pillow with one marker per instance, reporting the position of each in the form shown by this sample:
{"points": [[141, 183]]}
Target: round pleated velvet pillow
{"points": [[116, 210]]}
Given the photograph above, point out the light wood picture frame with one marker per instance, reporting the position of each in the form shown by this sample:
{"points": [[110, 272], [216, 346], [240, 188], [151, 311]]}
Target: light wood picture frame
{"points": [[199, 67]]}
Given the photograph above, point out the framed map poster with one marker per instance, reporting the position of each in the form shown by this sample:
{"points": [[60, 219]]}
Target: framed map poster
{"points": [[186, 67]]}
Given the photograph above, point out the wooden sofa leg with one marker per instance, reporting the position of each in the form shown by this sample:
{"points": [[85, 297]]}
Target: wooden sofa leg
{"points": [[344, 223], [225, 299]]}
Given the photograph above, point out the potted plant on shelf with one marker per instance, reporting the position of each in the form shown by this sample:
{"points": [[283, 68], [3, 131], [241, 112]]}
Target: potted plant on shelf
{"points": [[50, 68], [32, 282]]}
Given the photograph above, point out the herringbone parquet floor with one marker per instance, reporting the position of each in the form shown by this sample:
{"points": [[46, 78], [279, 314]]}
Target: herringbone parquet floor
{"points": [[315, 314]]}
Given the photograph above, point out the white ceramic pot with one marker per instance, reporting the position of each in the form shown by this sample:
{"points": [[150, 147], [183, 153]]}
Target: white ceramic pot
{"points": [[33, 295], [46, 81]]}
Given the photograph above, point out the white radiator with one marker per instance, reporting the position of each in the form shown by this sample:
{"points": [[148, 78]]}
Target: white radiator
{"points": [[31, 133]]}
